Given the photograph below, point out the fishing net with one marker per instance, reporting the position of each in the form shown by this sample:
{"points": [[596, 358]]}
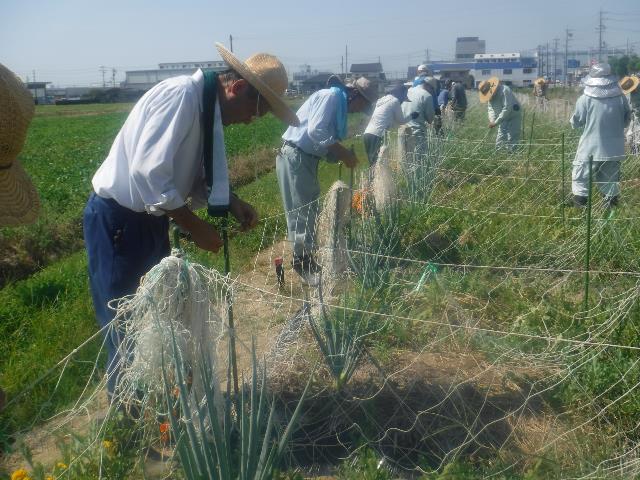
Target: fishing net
{"points": [[469, 318]]}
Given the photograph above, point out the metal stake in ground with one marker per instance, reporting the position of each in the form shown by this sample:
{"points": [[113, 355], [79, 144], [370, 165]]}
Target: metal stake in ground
{"points": [[232, 332], [564, 197], [533, 121], [587, 263]]}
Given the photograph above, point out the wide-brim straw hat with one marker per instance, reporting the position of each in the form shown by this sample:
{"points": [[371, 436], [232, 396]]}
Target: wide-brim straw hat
{"points": [[268, 75], [629, 84], [19, 202], [366, 88], [487, 88], [540, 81]]}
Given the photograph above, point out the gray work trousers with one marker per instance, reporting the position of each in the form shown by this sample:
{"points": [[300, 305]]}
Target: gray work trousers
{"points": [[509, 133], [605, 174], [297, 174]]}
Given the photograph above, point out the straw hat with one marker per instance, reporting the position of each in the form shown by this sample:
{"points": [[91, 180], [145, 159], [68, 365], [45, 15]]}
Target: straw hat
{"points": [[540, 81], [267, 74], [629, 84], [487, 88], [19, 203], [366, 88]]}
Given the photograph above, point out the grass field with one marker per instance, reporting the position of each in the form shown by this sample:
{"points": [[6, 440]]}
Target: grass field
{"points": [[506, 252]]}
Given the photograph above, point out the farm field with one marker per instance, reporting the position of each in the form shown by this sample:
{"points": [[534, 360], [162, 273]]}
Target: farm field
{"points": [[494, 325]]}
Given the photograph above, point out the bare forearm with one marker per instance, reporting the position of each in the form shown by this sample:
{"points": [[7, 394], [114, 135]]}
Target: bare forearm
{"points": [[185, 218]]}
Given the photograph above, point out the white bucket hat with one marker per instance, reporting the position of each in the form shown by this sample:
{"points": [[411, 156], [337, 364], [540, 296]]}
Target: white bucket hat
{"points": [[600, 83]]}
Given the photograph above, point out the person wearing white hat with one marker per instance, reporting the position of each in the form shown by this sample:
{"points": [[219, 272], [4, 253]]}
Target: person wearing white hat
{"points": [[504, 112], [388, 113], [414, 132], [630, 86], [602, 112], [323, 125], [170, 151]]}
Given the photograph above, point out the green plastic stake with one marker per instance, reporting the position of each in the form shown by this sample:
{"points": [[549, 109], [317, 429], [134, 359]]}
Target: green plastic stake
{"points": [[533, 121], [232, 336], [587, 262], [564, 197], [429, 270]]}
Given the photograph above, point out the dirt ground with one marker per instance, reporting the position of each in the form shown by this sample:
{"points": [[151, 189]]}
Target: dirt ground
{"points": [[471, 404]]}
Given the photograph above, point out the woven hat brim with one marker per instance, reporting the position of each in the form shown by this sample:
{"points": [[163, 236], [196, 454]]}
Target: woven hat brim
{"points": [[608, 91], [485, 97], [636, 82], [19, 201], [599, 81], [279, 108]]}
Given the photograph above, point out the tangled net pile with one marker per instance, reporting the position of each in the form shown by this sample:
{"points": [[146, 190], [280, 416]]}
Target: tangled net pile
{"points": [[466, 313]]}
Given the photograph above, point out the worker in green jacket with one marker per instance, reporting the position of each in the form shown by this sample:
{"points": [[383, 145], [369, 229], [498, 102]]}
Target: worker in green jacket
{"points": [[602, 112]]}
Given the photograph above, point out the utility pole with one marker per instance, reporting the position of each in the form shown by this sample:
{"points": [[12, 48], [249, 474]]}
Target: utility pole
{"points": [[346, 62], [231, 43], [103, 69], [540, 66], [601, 28], [113, 77], [567, 36], [555, 60], [548, 75], [34, 76], [342, 64]]}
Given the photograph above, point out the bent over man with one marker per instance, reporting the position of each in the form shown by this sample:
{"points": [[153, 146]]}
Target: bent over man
{"points": [[171, 150], [323, 124], [504, 112]]}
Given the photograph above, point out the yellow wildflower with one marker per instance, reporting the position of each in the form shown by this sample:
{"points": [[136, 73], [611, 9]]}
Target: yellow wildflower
{"points": [[48, 477], [20, 474], [62, 466]]}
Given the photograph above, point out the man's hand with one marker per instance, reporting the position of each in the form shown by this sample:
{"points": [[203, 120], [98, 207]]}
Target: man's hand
{"points": [[344, 155], [205, 236], [492, 124], [244, 213]]}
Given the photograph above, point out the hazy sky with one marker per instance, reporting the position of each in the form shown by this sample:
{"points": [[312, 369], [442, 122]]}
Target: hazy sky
{"points": [[66, 41]]}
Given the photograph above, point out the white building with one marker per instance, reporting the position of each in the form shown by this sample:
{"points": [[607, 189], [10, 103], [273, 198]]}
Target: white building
{"points": [[511, 68], [145, 79]]}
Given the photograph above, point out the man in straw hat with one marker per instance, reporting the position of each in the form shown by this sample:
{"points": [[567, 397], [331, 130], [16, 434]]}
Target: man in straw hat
{"points": [[630, 87], [540, 92], [171, 150], [504, 112], [323, 124], [19, 203], [602, 111]]}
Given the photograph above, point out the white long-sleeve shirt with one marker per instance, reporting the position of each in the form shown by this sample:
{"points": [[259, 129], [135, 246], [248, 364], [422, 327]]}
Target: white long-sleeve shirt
{"points": [[156, 161], [388, 113], [318, 125]]}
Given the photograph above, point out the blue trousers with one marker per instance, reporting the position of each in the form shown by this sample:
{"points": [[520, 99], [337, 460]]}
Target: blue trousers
{"points": [[122, 245]]}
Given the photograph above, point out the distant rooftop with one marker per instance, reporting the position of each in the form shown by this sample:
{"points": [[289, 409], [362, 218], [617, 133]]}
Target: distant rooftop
{"points": [[366, 68]]}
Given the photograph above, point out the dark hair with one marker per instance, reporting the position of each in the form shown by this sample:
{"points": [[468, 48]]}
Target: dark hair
{"points": [[230, 76]]}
